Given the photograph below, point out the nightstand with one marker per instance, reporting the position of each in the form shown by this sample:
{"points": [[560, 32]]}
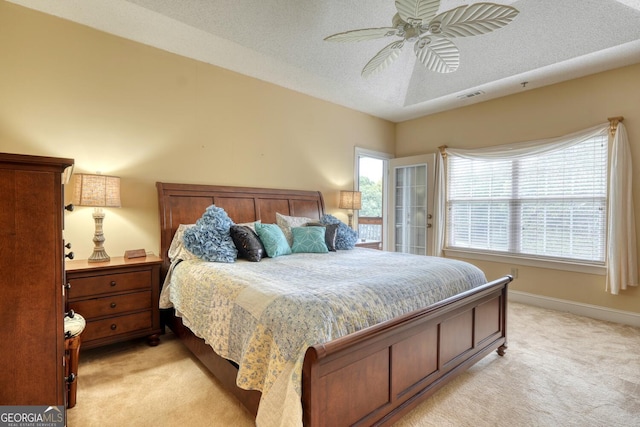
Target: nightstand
{"points": [[371, 244], [117, 298]]}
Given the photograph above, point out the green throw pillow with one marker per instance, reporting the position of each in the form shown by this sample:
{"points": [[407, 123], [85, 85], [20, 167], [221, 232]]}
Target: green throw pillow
{"points": [[273, 239], [309, 239]]}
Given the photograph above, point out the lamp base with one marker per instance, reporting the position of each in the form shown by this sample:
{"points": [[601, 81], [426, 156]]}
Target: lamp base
{"points": [[99, 254], [350, 215]]}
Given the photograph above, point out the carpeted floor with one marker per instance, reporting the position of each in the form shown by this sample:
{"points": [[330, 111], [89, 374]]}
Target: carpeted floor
{"points": [[560, 370]]}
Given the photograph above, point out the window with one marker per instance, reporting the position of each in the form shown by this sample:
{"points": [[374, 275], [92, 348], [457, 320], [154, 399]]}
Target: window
{"points": [[548, 204], [370, 167]]}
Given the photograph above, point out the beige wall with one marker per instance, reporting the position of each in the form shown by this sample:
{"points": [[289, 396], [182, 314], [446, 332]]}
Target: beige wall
{"points": [[146, 115], [541, 113]]}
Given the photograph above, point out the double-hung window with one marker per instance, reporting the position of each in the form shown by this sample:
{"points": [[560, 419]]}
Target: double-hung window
{"points": [[545, 201]]}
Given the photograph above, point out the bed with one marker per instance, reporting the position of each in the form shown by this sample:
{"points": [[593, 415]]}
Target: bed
{"points": [[369, 377]]}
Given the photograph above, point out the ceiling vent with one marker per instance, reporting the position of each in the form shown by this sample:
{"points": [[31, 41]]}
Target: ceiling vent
{"points": [[471, 95]]}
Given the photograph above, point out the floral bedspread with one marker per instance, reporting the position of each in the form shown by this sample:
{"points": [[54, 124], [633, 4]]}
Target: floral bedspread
{"points": [[264, 315]]}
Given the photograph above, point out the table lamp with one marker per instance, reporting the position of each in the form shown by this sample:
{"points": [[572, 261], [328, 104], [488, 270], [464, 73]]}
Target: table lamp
{"points": [[99, 191], [351, 200]]}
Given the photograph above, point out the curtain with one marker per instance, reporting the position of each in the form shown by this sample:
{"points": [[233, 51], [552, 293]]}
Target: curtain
{"points": [[528, 148], [439, 207], [622, 260]]}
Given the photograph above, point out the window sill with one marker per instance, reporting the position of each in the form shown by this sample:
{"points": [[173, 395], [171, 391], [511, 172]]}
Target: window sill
{"points": [[577, 267]]}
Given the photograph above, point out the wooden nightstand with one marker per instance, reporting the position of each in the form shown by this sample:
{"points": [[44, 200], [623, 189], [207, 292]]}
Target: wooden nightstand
{"points": [[371, 244], [118, 299]]}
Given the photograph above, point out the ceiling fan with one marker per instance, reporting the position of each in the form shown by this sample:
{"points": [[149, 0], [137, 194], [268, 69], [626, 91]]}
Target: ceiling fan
{"points": [[416, 21]]}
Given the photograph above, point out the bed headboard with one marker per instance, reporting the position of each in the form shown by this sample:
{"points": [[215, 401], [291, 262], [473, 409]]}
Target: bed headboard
{"points": [[185, 203]]}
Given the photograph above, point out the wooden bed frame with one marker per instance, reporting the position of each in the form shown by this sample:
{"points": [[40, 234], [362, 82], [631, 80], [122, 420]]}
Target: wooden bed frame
{"points": [[371, 377]]}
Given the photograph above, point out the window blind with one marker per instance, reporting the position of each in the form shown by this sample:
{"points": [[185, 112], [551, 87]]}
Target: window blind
{"points": [[550, 205]]}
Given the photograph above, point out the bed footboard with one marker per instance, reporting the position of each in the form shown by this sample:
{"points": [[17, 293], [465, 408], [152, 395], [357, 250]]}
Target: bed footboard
{"points": [[375, 376]]}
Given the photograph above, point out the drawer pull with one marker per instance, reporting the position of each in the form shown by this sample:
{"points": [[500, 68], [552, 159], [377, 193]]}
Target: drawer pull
{"points": [[113, 305], [113, 327], [113, 283]]}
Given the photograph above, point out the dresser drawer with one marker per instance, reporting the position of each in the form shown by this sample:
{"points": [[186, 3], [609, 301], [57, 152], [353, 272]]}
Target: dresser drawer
{"points": [[112, 305], [116, 325], [108, 284]]}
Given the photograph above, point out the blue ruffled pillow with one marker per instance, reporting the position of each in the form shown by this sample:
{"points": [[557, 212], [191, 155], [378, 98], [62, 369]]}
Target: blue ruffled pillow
{"points": [[346, 237], [210, 238]]}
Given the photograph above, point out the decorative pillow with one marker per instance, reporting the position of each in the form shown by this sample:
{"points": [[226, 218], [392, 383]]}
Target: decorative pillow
{"points": [[346, 237], [177, 249], [288, 222], [247, 242], [210, 238], [273, 239], [331, 231], [309, 239]]}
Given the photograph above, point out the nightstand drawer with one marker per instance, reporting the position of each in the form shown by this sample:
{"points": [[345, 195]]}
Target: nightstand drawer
{"points": [[107, 284], [117, 325], [112, 305]]}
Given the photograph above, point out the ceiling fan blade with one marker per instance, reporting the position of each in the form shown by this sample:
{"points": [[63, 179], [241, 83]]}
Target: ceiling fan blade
{"points": [[439, 55], [417, 10], [361, 35], [472, 20], [383, 58]]}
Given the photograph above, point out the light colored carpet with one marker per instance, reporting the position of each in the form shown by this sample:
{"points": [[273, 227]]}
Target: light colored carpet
{"points": [[560, 370]]}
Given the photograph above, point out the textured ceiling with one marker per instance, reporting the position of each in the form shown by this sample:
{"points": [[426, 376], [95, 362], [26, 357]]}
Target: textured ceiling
{"points": [[281, 41]]}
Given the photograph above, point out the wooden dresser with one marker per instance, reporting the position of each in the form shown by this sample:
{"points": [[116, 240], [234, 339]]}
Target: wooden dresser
{"points": [[117, 298], [31, 280]]}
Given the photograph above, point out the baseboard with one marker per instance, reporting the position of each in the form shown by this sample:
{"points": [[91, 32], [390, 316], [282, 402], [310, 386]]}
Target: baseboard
{"points": [[587, 310]]}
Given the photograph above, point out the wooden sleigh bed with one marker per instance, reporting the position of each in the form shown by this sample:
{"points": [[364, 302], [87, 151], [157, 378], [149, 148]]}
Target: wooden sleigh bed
{"points": [[371, 377]]}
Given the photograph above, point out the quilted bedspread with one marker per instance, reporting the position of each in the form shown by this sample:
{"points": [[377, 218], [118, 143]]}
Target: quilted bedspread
{"points": [[264, 315]]}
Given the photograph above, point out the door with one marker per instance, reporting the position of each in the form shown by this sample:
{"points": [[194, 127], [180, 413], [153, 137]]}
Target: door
{"points": [[410, 190]]}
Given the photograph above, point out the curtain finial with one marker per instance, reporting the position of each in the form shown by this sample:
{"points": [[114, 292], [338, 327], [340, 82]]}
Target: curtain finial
{"points": [[443, 151], [613, 124]]}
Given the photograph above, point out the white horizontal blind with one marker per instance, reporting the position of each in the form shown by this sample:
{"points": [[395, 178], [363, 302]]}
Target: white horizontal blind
{"points": [[550, 205]]}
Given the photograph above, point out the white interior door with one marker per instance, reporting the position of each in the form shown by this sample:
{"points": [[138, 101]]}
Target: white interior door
{"points": [[410, 208]]}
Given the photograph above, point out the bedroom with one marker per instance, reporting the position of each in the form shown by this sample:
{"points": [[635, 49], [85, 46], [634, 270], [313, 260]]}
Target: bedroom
{"points": [[71, 91]]}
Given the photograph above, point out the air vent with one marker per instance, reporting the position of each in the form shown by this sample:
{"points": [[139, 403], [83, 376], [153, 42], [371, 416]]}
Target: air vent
{"points": [[471, 95]]}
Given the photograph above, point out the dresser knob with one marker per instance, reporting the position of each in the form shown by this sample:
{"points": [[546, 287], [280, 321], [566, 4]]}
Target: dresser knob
{"points": [[113, 283], [113, 305], [113, 327], [68, 246], [70, 314], [69, 207], [70, 255], [71, 378], [68, 285]]}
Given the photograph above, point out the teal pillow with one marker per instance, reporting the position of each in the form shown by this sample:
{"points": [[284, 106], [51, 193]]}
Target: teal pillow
{"points": [[309, 239], [273, 239]]}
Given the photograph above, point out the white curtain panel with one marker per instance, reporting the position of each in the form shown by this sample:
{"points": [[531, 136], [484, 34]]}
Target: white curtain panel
{"points": [[622, 260], [439, 203]]}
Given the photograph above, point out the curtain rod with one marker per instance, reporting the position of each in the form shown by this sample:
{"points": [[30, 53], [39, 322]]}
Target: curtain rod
{"points": [[613, 124]]}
